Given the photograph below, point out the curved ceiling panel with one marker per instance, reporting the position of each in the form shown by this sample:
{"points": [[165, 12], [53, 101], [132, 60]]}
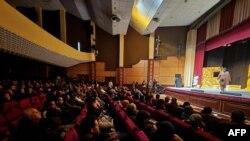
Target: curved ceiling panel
{"points": [[36, 43]]}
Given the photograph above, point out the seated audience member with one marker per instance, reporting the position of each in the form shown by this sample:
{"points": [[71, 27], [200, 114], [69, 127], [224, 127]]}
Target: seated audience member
{"points": [[172, 106], [188, 111], [67, 114], [166, 102], [149, 100], [209, 120], [89, 130], [196, 121], [165, 132], [186, 103], [31, 127], [54, 115], [143, 122], [132, 111], [105, 121], [160, 105], [5, 97], [238, 118], [124, 104]]}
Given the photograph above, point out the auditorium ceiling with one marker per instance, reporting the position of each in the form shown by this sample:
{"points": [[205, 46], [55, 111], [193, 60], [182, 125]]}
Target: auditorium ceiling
{"points": [[114, 16]]}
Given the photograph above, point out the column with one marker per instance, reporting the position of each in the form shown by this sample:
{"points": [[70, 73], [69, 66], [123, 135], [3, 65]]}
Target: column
{"points": [[63, 26], [190, 57]]}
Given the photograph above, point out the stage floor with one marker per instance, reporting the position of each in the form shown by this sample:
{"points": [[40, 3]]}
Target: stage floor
{"points": [[243, 93]]}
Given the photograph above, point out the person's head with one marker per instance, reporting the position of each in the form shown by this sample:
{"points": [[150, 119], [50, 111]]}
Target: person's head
{"points": [[224, 69], [167, 99], [237, 117], [131, 109], [157, 96], [125, 103], [173, 100], [52, 104], [165, 131], [6, 95], [32, 114], [142, 117], [160, 104], [89, 126], [188, 110], [60, 100], [186, 103], [195, 120], [207, 110]]}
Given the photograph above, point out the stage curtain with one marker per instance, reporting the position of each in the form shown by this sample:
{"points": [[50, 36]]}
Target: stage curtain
{"points": [[199, 60], [200, 51], [237, 33], [241, 12], [226, 18], [190, 57], [237, 60], [213, 25]]}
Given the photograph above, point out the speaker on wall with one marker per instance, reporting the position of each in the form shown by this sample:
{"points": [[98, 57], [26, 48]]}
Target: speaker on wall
{"points": [[178, 81]]}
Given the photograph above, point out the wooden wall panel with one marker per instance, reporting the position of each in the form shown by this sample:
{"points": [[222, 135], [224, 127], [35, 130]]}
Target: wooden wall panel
{"points": [[110, 73], [228, 107], [135, 72], [100, 73], [180, 97], [165, 70], [166, 80], [213, 103], [221, 104], [79, 69], [100, 79], [100, 66], [141, 64]]}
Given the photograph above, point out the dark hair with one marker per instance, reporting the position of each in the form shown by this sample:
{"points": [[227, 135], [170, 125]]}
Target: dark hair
{"points": [[186, 103], [206, 110], [157, 96], [238, 117], [164, 132], [86, 124], [141, 117]]}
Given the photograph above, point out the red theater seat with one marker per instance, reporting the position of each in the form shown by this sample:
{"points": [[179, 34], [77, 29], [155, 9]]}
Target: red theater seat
{"points": [[71, 135], [25, 103]]}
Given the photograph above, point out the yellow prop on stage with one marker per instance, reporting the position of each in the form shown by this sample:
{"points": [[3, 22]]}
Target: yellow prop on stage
{"points": [[209, 77], [248, 80]]}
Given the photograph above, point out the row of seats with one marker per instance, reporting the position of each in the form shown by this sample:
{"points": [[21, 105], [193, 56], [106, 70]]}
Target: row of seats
{"points": [[185, 130], [132, 129], [11, 112]]}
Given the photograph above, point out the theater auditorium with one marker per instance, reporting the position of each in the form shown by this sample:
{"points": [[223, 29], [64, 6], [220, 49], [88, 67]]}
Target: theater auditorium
{"points": [[124, 70]]}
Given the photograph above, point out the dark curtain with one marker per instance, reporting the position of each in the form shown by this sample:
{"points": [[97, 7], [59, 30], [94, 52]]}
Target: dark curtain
{"points": [[237, 60], [227, 14]]}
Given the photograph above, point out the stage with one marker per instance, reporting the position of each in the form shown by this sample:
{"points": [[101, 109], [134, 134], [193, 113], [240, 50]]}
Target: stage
{"points": [[222, 102]]}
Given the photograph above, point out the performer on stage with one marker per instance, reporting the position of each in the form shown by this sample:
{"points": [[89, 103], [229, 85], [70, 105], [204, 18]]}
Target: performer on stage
{"points": [[224, 79]]}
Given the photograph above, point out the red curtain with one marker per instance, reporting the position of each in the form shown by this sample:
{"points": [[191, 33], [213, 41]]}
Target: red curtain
{"points": [[237, 33], [226, 18], [200, 51], [199, 60]]}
